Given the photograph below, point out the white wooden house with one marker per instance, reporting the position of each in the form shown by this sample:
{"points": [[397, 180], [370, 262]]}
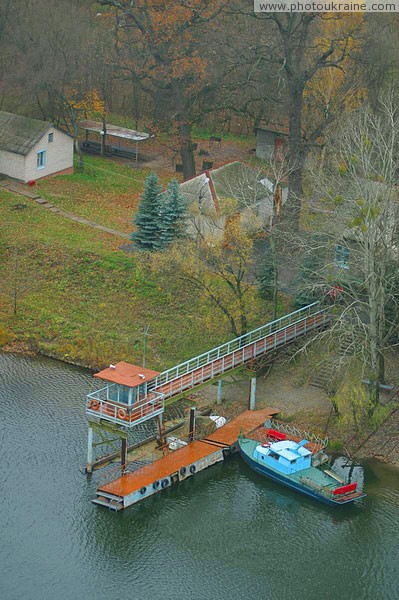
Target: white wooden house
{"points": [[31, 149]]}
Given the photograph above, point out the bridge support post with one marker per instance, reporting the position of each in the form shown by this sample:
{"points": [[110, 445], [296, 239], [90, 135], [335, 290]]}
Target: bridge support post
{"points": [[220, 392], [252, 394], [89, 464]]}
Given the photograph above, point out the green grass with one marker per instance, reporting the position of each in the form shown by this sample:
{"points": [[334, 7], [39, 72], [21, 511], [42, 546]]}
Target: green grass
{"points": [[83, 299], [106, 192], [204, 133]]}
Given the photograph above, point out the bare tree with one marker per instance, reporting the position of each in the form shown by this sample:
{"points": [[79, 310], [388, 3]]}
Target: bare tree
{"points": [[357, 210]]}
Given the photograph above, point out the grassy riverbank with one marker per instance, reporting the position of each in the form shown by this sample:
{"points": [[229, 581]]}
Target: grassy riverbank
{"points": [[80, 298]]}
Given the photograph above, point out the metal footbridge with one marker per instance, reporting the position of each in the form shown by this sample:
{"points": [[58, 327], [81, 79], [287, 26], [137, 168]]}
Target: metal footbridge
{"points": [[239, 352], [171, 385]]}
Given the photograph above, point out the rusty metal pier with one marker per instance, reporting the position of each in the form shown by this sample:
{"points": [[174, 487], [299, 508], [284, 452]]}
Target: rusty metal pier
{"points": [[180, 464]]}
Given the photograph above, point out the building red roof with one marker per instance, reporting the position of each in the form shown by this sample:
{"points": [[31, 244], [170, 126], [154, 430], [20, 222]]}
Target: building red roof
{"points": [[126, 374]]}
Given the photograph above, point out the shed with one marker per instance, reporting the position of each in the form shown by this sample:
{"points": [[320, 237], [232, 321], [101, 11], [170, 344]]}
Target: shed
{"points": [[271, 142], [31, 149]]}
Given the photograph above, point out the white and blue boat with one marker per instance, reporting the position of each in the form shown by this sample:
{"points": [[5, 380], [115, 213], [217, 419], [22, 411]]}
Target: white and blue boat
{"points": [[292, 463]]}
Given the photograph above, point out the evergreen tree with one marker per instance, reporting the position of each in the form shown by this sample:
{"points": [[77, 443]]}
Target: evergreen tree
{"points": [[147, 219], [172, 214]]}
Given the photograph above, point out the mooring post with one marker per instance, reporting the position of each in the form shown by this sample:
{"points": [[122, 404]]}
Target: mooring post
{"points": [[162, 438], [89, 464], [192, 423], [124, 455], [220, 391], [252, 395]]}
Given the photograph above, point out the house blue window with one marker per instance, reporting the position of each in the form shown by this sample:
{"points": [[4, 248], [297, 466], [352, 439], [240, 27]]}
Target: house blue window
{"points": [[342, 257], [51, 137], [41, 159]]}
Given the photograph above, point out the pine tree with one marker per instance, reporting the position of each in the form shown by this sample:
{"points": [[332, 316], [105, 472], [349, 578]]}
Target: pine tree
{"points": [[172, 214], [147, 219]]}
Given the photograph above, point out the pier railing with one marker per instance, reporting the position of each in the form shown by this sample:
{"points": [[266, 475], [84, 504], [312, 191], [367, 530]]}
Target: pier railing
{"points": [[98, 405], [241, 350]]}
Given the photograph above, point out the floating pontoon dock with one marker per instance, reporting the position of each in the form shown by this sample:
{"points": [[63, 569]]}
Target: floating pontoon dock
{"points": [[181, 464]]}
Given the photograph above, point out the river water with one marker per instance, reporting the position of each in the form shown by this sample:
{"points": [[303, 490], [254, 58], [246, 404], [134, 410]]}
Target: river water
{"points": [[225, 534]]}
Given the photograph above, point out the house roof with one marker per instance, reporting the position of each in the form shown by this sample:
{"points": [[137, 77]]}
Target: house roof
{"points": [[115, 130], [213, 189], [19, 134], [279, 126], [126, 374]]}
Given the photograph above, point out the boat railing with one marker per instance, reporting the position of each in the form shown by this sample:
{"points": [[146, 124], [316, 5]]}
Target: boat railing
{"points": [[293, 431]]}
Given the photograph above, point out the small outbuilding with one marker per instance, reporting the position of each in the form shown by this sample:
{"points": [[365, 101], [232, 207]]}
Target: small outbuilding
{"points": [[31, 149], [271, 142]]}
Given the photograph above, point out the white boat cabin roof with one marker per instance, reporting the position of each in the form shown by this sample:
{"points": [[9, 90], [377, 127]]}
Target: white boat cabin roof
{"points": [[287, 449]]}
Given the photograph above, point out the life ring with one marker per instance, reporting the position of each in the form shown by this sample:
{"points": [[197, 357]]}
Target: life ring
{"points": [[155, 485], [121, 414], [265, 445], [94, 405], [183, 471], [193, 468], [165, 483], [143, 490]]}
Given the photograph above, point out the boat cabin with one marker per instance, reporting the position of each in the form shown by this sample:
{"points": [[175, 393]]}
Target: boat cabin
{"points": [[126, 398], [284, 456]]}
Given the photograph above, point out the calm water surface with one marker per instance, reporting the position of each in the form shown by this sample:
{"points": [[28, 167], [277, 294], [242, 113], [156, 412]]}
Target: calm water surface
{"points": [[225, 534]]}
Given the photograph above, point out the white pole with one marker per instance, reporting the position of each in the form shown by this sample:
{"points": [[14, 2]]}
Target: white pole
{"points": [[252, 399], [89, 466]]}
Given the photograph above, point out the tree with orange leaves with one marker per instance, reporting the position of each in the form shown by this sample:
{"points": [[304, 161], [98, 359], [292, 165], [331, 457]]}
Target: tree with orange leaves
{"points": [[158, 43]]}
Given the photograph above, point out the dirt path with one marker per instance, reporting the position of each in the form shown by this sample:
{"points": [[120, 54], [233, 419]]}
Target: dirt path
{"points": [[279, 390]]}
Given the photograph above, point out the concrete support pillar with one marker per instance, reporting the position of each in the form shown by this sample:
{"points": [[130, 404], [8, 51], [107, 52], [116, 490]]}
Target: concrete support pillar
{"points": [[252, 394], [89, 464], [192, 424], [220, 391]]}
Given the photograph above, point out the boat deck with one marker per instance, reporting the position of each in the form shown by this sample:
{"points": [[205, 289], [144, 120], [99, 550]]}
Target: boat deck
{"points": [[260, 435]]}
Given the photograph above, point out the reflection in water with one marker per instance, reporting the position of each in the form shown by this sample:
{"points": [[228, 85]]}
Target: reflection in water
{"points": [[226, 533]]}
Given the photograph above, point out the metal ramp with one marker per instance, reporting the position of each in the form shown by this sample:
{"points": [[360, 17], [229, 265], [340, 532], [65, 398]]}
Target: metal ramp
{"points": [[110, 501], [178, 381]]}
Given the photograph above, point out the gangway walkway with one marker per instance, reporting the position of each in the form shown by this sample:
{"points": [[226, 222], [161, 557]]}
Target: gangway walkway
{"points": [[167, 387], [241, 351]]}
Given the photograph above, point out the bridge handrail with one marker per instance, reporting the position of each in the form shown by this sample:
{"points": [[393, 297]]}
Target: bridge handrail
{"points": [[237, 343]]}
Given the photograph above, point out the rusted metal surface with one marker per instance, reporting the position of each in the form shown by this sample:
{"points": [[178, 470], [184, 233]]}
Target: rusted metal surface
{"points": [[246, 422], [158, 470], [126, 374], [184, 458]]}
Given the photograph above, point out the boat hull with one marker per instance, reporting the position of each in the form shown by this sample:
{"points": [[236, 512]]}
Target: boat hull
{"points": [[294, 485]]}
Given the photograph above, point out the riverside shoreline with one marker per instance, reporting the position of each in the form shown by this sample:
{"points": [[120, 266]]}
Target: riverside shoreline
{"points": [[303, 406]]}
